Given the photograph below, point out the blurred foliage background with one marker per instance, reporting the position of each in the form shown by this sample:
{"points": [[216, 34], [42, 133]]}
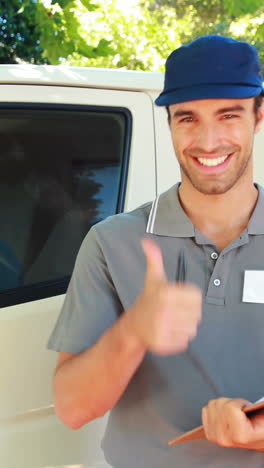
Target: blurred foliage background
{"points": [[128, 34]]}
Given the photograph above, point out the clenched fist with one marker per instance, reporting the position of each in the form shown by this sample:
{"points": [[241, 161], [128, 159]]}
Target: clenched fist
{"points": [[166, 315]]}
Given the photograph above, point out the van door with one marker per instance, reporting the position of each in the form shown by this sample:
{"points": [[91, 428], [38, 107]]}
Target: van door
{"points": [[69, 157]]}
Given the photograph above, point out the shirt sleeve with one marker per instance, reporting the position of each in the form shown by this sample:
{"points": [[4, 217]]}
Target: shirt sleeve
{"points": [[91, 304]]}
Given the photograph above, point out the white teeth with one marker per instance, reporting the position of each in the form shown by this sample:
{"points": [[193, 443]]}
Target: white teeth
{"points": [[213, 161]]}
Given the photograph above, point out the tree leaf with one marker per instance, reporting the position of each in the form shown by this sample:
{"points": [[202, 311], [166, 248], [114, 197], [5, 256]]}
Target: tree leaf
{"points": [[61, 3], [89, 5]]}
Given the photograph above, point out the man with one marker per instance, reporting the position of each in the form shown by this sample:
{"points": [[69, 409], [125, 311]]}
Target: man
{"points": [[131, 338]]}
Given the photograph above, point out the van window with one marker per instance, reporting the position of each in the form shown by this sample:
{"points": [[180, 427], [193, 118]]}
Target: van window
{"points": [[62, 169]]}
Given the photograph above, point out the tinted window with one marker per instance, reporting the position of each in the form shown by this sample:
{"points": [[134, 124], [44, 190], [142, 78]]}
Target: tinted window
{"points": [[61, 171]]}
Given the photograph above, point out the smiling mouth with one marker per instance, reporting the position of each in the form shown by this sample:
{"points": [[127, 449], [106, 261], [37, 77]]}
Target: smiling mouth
{"points": [[213, 162]]}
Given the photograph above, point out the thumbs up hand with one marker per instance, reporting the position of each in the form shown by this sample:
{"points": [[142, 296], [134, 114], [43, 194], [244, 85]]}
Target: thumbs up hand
{"points": [[165, 316]]}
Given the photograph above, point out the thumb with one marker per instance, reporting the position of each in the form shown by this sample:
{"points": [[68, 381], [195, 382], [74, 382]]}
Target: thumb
{"points": [[154, 260]]}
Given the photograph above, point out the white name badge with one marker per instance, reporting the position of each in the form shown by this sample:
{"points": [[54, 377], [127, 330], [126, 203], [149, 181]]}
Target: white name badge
{"points": [[253, 290]]}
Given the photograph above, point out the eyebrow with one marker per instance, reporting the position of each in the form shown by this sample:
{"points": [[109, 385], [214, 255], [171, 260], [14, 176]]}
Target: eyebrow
{"points": [[224, 110], [181, 113]]}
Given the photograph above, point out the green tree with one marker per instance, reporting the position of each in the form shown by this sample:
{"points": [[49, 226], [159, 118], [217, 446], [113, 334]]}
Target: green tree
{"points": [[61, 32], [140, 37], [120, 33], [243, 20], [35, 32], [142, 34], [19, 33]]}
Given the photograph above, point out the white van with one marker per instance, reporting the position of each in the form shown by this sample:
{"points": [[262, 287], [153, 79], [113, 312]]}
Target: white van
{"points": [[76, 145]]}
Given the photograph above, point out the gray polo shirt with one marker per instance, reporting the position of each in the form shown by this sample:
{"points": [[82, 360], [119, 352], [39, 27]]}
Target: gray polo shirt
{"points": [[166, 394]]}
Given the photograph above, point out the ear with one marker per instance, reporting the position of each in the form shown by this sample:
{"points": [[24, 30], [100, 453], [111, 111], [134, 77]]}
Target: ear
{"points": [[260, 118]]}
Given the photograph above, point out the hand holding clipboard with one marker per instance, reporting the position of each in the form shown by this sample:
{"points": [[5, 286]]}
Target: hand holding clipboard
{"points": [[198, 432]]}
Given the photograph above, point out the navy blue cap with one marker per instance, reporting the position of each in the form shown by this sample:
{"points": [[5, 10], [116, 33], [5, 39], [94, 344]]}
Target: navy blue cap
{"points": [[211, 67]]}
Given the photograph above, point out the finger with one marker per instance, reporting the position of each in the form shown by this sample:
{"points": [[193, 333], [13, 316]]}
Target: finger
{"points": [[209, 422], [205, 421], [240, 403], [226, 426], [188, 301], [154, 260], [237, 427], [223, 435]]}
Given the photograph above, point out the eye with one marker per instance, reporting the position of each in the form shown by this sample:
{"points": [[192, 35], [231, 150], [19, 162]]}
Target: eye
{"points": [[187, 119], [229, 116]]}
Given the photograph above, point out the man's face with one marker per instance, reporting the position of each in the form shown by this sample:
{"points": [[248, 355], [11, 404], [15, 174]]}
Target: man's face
{"points": [[213, 140]]}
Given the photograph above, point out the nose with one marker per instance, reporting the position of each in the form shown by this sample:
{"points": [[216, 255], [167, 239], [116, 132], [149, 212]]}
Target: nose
{"points": [[209, 136]]}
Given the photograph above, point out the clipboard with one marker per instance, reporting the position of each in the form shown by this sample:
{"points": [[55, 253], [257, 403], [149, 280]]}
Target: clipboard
{"points": [[198, 433]]}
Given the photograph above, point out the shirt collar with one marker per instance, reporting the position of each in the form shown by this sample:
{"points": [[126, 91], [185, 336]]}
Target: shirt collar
{"points": [[167, 217], [256, 222]]}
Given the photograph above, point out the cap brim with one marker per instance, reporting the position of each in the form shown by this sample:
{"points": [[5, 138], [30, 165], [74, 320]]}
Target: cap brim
{"points": [[207, 92]]}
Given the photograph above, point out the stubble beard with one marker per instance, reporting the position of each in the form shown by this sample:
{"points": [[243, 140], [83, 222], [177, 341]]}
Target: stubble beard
{"points": [[214, 187]]}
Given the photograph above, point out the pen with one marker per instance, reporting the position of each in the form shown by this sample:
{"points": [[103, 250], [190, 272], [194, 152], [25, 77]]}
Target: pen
{"points": [[181, 267]]}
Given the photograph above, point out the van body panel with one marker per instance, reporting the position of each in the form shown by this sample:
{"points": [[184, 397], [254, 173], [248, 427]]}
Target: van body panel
{"points": [[81, 77], [31, 435]]}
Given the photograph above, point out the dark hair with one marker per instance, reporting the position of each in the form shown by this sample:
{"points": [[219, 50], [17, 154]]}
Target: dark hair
{"points": [[257, 104], [168, 113]]}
